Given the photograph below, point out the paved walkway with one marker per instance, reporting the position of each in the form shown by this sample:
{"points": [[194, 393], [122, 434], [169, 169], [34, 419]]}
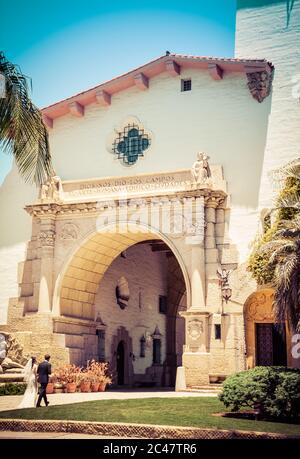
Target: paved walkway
{"points": [[8, 435], [11, 402]]}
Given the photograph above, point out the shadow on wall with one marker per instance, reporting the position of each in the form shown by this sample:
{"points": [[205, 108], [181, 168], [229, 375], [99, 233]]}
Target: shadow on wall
{"points": [[261, 3], [15, 222]]}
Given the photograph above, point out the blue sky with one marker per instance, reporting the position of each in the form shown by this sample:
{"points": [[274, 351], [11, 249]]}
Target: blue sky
{"points": [[66, 46]]}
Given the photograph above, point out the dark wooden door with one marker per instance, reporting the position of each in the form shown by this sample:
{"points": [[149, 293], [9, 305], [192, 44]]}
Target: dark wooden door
{"points": [[270, 345], [120, 363]]}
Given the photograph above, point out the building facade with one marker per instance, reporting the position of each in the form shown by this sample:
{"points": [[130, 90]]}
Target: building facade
{"points": [[136, 251]]}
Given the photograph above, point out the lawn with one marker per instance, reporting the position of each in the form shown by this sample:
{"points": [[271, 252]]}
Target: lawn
{"points": [[184, 411]]}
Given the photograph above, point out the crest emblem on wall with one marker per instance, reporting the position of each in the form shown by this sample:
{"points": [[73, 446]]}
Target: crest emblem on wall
{"points": [[195, 329]]}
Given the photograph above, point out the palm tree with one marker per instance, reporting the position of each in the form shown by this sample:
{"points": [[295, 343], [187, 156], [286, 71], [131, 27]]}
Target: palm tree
{"points": [[284, 248], [22, 131], [284, 252]]}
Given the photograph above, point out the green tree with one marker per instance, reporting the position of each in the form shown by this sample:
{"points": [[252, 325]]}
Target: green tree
{"points": [[275, 258], [22, 131]]}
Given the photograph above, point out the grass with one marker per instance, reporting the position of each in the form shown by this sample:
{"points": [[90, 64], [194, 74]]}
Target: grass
{"points": [[184, 411]]}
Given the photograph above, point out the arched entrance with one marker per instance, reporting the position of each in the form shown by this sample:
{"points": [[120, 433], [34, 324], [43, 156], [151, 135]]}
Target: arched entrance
{"points": [[82, 273], [84, 292], [267, 343]]}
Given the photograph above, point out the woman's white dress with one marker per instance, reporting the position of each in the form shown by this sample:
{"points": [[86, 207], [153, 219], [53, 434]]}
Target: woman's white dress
{"points": [[30, 396]]}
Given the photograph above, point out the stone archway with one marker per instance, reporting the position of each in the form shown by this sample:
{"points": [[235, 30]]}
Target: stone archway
{"points": [[265, 345], [76, 300], [74, 293]]}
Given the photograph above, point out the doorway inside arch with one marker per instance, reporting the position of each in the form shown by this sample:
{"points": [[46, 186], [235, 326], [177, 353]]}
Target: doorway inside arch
{"points": [[120, 363]]}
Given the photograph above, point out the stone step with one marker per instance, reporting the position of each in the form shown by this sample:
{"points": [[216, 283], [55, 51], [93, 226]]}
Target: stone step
{"points": [[205, 389], [208, 386], [11, 377]]}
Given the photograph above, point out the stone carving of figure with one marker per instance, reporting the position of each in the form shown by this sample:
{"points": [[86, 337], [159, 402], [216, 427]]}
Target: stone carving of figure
{"points": [[11, 354], [200, 169], [9, 364], [3, 348], [223, 275], [122, 292], [52, 190]]}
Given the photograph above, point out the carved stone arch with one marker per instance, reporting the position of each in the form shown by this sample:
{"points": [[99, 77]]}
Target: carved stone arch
{"points": [[90, 258]]}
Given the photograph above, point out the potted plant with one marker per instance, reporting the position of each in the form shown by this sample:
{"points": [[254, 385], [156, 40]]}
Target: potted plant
{"points": [[94, 383], [71, 377], [59, 380], [104, 381], [99, 370], [85, 381]]}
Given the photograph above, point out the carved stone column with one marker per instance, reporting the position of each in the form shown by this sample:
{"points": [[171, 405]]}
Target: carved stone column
{"points": [[46, 238], [213, 298], [195, 358]]}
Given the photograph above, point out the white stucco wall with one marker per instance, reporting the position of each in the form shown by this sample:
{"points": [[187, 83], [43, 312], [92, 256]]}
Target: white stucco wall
{"points": [[146, 273], [218, 117], [15, 231], [262, 32]]}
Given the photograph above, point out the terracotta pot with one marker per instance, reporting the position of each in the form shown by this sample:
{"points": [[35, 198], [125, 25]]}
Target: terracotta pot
{"points": [[102, 387], [58, 388], [71, 388], [94, 387], [50, 388], [85, 387]]}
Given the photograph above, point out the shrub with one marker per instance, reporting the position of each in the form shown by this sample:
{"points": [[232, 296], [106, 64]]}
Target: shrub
{"points": [[258, 262], [273, 391], [12, 389]]}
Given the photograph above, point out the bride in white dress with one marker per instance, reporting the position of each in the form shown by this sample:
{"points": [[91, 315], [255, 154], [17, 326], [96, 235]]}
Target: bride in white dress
{"points": [[30, 377]]}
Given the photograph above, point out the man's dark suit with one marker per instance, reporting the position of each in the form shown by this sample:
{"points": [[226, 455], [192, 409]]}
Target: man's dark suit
{"points": [[43, 371]]}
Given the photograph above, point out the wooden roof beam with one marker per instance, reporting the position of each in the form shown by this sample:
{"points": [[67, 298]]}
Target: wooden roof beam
{"points": [[215, 71], [172, 68], [48, 122], [76, 109], [141, 81], [103, 98]]}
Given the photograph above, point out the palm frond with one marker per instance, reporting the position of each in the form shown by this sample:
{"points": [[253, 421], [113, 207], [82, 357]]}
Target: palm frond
{"points": [[287, 292], [284, 251], [271, 246], [290, 201], [291, 169], [22, 131]]}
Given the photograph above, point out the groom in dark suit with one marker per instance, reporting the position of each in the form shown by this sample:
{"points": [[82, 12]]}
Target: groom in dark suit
{"points": [[43, 371]]}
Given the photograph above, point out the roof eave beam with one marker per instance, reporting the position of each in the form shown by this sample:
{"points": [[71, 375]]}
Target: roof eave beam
{"points": [[48, 122], [141, 81], [76, 109], [215, 71], [172, 68], [103, 98]]}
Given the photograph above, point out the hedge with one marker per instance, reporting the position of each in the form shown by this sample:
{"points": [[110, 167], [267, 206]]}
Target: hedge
{"points": [[272, 391]]}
